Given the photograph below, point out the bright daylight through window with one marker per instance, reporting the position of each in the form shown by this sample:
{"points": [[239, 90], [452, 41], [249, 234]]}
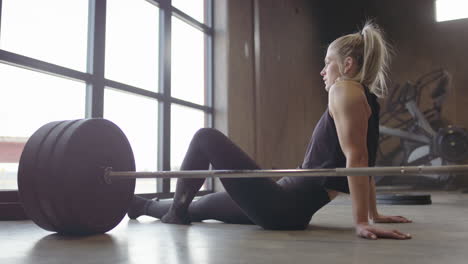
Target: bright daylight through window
{"points": [[158, 95], [451, 9]]}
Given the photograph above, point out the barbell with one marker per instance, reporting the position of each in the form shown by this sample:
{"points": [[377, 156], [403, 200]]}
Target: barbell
{"points": [[77, 177]]}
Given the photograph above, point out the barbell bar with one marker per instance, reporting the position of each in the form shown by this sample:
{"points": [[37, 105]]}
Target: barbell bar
{"points": [[109, 174], [77, 177]]}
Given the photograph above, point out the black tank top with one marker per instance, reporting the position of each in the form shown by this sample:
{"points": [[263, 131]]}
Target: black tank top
{"points": [[324, 150]]}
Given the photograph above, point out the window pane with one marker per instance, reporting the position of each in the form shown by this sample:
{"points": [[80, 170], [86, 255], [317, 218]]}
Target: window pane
{"points": [[185, 122], [188, 62], [132, 46], [51, 30], [30, 100], [137, 116], [193, 8], [451, 9]]}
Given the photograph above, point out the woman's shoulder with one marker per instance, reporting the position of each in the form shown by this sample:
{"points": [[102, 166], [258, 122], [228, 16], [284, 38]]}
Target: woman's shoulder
{"points": [[347, 89], [353, 85], [349, 96]]}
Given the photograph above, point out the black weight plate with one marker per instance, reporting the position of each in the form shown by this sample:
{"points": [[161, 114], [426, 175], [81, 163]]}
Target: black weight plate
{"points": [[85, 149], [52, 185], [49, 190], [451, 144], [404, 199], [404, 202], [406, 196], [29, 175]]}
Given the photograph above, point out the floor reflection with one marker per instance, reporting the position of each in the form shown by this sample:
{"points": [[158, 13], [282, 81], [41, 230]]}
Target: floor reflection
{"points": [[55, 248]]}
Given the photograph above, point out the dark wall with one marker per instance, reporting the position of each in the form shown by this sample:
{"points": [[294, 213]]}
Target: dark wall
{"points": [[335, 18], [268, 56], [289, 90], [291, 37], [271, 53], [421, 44]]}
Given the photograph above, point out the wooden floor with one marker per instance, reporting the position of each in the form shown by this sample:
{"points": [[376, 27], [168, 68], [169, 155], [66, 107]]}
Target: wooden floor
{"points": [[440, 235]]}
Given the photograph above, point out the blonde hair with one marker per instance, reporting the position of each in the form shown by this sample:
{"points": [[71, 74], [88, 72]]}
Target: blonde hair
{"points": [[372, 54]]}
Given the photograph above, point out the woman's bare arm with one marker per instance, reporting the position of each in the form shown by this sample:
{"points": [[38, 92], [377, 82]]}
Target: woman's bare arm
{"points": [[349, 109], [374, 214]]}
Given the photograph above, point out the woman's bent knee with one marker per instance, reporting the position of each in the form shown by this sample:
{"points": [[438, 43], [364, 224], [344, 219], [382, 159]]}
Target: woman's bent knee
{"points": [[207, 132]]}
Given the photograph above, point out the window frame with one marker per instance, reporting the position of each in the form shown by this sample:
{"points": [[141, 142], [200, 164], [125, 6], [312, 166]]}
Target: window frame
{"points": [[95, 80]]}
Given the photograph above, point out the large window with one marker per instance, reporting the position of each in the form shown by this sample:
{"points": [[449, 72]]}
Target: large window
{"points": [[145, 65], [451, 9]]}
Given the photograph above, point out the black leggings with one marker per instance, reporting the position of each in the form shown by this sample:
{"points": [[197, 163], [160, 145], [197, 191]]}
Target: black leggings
{"points": [[260, 201]]}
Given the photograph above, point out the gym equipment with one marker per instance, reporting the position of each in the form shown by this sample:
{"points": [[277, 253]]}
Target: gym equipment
{"points": [[60, 176], [78, 177], [413, 131]]}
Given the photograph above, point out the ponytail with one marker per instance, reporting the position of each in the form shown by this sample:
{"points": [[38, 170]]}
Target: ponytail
{"points": [[372, 54]]}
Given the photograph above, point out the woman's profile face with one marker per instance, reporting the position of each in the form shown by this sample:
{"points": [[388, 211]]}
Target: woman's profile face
{"points": [[330, 71]]}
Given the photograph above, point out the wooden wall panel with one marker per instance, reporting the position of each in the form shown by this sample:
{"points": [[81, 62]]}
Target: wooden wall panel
{"points": [[241, 91], [234, 72], [290, 94], [272, 51], [268, 56], [422, 44]]}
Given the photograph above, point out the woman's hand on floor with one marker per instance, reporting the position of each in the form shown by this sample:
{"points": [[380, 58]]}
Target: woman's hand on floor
{"points": [[390, 219], [373, 232]]}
